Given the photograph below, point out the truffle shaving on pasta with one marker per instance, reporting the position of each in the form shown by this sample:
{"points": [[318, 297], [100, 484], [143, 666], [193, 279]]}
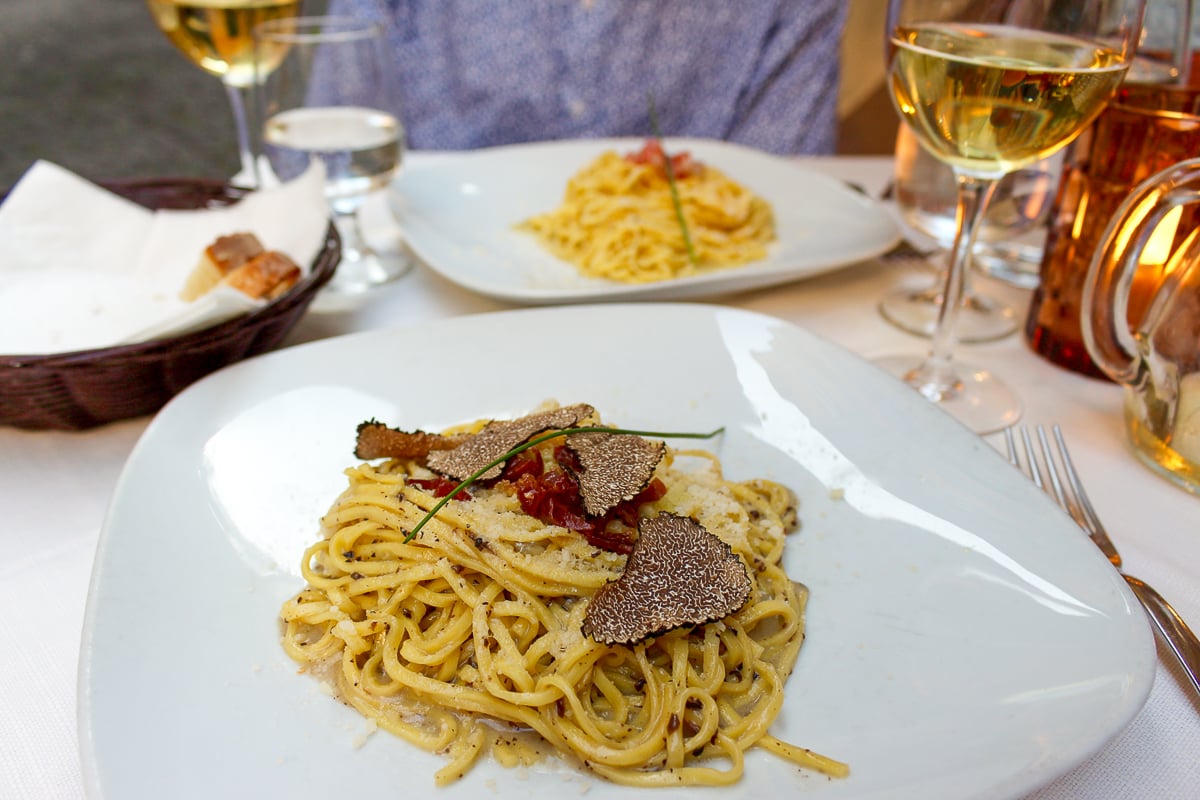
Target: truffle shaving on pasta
{"points": [[648, 644]]}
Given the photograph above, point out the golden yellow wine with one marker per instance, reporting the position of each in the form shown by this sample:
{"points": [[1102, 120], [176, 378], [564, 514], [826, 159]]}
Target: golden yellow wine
{"points": [[217, 35], [990, 99]]}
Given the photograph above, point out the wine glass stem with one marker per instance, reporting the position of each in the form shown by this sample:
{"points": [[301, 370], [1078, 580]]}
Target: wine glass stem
{"points": [[973, 196], [354, 243], [241, 123]]}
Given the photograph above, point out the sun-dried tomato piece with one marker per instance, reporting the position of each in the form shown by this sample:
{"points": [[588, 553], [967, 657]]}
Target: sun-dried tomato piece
{"points": [[439, 487]]}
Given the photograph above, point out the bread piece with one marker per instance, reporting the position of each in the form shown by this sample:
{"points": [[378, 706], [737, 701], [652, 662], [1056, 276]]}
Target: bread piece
{"points": [[265, 276], [219, 259]]}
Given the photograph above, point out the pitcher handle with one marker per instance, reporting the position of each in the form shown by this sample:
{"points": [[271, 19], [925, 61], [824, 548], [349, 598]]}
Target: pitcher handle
{"points": [[1106, 332]]}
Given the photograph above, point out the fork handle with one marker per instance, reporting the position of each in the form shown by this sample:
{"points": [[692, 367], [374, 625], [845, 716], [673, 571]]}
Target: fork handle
{"points": [[1175, 632]]}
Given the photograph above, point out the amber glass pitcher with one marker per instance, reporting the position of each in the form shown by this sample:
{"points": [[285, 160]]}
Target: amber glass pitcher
{"points": [[1147, 128], [1146, 264]]}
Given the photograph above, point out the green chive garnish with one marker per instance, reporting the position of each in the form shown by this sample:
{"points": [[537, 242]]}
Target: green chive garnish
{"points": [[670, 171]]}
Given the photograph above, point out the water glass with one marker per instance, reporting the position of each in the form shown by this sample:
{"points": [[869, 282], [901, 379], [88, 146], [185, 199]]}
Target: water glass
{"points": [[326, 92], [1011, 239], [1008, 247]]}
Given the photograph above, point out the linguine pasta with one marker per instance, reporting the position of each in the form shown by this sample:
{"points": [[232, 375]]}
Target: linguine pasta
{"points": [[468, 639], [618, 221]]}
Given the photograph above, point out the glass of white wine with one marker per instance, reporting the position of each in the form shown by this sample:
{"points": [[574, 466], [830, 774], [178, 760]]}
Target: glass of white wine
{"points": [[990, 88], [218, 37], [326, 92]]}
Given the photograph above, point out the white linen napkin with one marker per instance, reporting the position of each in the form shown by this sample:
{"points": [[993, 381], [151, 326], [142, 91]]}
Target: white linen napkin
{"points": [[81, 267]]}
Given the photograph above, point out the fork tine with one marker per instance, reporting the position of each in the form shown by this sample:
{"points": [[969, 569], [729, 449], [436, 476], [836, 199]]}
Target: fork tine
{"points": [[1035, 474], [1028, 466], [1033, 467], [1085, 505], [1088, 517], [1065, 501]]}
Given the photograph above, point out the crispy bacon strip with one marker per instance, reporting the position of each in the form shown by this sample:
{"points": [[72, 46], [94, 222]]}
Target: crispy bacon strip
{"points": [[376, 440]]}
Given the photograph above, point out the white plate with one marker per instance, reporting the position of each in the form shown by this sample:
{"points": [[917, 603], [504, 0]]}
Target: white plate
{"points": [[964, 639], [459, 213]]}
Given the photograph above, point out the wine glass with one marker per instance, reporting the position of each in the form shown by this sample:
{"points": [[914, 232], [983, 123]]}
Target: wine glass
{"points": [[990, 88], [327, 93], [218, 37]]}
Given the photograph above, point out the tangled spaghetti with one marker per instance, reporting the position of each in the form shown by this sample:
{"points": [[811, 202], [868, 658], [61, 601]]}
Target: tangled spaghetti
{"points": [[468, 639], [618, 220]]}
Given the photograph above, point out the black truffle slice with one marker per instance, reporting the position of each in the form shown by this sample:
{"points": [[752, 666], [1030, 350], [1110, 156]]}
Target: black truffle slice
{"points": [[498, 437], [678, 574], [615, 467]]}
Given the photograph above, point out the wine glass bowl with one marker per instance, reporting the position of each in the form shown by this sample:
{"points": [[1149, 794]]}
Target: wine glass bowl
{"points": [[990, 98], [326, 94], [218, 37], [989, 89]]}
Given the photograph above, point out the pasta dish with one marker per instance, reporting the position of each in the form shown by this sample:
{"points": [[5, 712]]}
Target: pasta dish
{"points": [[646, 217], [551, 585]]}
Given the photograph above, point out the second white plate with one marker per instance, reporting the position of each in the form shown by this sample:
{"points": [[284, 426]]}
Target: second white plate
{"points": [[459, 213]]}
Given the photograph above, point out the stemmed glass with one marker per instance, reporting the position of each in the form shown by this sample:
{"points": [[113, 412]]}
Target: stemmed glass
{"points": [[326, 92], [989, 88], [218, 37]]}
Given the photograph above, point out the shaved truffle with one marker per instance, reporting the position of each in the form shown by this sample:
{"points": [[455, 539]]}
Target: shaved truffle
{"points": [[498, 437], [678, 574], [615, 467], [376, 440]]}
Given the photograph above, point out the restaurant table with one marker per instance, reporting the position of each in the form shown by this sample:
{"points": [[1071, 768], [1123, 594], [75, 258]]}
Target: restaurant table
{"points": [[55, 488]]}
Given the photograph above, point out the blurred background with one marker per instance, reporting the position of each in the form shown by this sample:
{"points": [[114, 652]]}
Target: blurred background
{"points": [[94, 86]]}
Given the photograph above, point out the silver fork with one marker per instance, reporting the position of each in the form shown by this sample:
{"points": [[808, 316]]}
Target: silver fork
{"points": [[1071, 497]]}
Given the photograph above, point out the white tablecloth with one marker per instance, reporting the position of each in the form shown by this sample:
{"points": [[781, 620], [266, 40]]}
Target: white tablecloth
{"points": [[55, 488]]}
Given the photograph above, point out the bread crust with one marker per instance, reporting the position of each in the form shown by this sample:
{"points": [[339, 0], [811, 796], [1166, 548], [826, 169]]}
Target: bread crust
{"points": [[264, 277]]}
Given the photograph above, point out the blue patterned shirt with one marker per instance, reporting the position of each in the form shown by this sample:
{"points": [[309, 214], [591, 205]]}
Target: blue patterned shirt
{"points": [[476, 73]]}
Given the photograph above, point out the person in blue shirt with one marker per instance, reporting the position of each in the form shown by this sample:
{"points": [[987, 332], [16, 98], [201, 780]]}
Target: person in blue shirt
{"points": [[477, 73]]}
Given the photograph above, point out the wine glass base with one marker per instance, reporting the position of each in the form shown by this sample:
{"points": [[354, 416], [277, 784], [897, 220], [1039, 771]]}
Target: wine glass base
{"points": [[981, 319], [357, 276], [977, 399]]}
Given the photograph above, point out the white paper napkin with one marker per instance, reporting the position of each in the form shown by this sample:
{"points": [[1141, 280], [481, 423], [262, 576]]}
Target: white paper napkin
{"points": [[82, 268]]}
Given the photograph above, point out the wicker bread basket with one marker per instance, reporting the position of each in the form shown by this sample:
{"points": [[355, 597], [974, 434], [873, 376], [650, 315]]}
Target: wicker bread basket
{"points": [[83, 389]]}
